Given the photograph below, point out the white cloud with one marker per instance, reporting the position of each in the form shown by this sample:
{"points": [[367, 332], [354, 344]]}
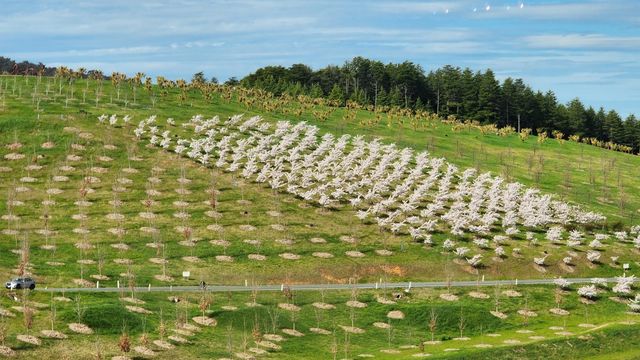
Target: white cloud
{"points": [[117, 51], [418, 6], [594, 9], [133, 20], [578, 41], [440, 47], [397, 34]]}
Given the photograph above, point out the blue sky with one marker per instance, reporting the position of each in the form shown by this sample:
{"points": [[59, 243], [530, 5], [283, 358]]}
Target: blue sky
{"points": [[588, 49]]}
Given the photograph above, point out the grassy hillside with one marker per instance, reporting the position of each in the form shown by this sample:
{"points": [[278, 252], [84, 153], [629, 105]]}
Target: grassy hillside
{"points": [[84, 202]]}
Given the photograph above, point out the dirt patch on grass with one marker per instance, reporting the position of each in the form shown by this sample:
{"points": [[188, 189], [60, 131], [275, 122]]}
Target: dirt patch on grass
{"points": [[381, 325], [448, 297], [566, 268], [84, 283], [164, 344], [292, 332], [53, 334], [205, 321], [323, 306], [498, 314], [7, 351], [352, 329], [395, 314], [478, 295], [322, 255], [558, 311], [289, 307], [80, 328], [164, 278], [356, 304], [320, 331], [138, 309], [527, 313], [290, 256]]}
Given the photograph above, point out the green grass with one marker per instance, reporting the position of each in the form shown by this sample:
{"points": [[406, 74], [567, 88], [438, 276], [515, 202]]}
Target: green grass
{"points": [[596, 178], [107, 315], [564, 170]]}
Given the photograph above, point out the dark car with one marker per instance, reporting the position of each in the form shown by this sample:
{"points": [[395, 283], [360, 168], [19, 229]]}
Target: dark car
{"points": [[21, 283]]}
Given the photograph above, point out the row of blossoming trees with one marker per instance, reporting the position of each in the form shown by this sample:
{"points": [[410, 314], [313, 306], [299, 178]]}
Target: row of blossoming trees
{"points": [[397, 188]]}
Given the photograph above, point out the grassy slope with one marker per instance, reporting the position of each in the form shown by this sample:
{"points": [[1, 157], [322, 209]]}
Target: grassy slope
{"points": [[18, 115], [596, 178], [301, 224], [107, 315]]}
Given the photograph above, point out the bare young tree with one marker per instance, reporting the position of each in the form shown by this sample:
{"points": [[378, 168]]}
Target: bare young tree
{"points": [[4, 328], [205, 302], [274, 317], [462, 323], [230, 338], [162, 326], [433, 323], [124, 342], [53, 315], [79, 308], [334, 346]]}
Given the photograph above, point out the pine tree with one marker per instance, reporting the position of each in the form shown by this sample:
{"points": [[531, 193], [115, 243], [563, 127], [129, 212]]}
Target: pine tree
{"points": [[488, 95], [359, 96], [383, 97], [316, 91], [395, 97], [337, 94]]}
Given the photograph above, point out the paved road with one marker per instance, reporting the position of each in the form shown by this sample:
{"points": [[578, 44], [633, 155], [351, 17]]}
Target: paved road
{"points": [[317, 287]]}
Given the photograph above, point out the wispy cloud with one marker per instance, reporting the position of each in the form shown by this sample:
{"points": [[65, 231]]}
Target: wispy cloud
{"points": [[399, 35], [418, 6], [111, 52], [580, 41], [551, 11]]}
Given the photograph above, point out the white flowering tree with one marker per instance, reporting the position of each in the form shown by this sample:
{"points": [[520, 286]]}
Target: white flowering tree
{"points": [[588, 292], [623, 285], [562, 283]]}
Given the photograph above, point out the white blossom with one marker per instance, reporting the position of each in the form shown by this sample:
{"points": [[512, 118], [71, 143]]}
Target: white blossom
{"points": [[540, 260], [623, 284], [562, 283], [621, 235], [588, 291], [475, 261], [448, 244], [481, 243], [593, 256], [461, 251], [596, 244], [634, 304], [554, 234], [599, 282]]}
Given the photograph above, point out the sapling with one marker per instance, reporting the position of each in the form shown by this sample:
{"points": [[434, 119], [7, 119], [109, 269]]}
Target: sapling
{"points": [[79, 308], [433, 323], [124, 342], [461, 323]]}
